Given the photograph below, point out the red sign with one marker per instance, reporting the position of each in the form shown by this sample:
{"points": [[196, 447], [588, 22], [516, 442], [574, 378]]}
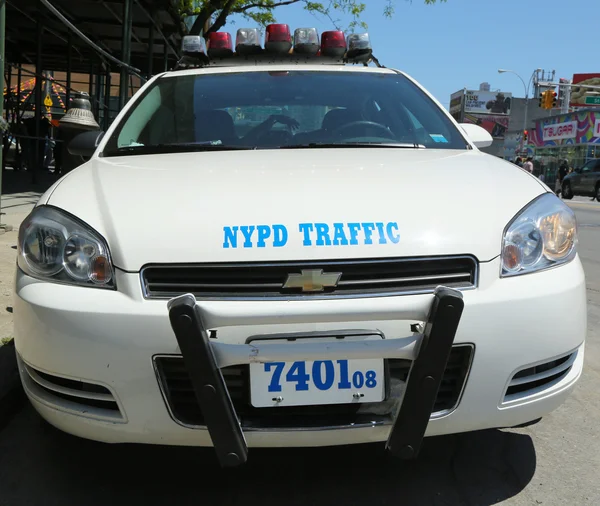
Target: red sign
{"points": [[578, 94]]}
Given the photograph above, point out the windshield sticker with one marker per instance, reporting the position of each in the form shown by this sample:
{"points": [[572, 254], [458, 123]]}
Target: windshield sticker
{"points": [[438, 138], [312, 234]]}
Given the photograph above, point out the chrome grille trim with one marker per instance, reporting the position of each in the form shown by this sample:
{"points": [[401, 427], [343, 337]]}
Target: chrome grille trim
{"points": [[465, 279]]}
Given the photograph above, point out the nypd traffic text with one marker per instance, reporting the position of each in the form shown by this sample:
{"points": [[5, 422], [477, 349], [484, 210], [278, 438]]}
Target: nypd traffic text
{"points": [[312, 234]]}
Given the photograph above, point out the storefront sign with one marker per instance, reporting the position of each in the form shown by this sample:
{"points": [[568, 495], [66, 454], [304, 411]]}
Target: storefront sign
{"points": [[559, 131], [597, 129], [487, 102]]}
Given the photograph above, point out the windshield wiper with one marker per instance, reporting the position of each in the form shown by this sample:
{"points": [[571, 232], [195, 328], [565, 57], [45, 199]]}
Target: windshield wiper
{"points": [[184, 147], [317, 145]]}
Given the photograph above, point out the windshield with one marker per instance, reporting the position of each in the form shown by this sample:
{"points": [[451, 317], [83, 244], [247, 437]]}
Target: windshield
{"points": [[271, 110]]}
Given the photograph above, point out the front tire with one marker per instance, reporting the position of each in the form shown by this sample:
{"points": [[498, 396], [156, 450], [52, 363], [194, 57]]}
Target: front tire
{"points": [[567, 193]]}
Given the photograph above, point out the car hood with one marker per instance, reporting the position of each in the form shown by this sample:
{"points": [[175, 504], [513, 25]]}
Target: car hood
{"points": [[268, 205]]}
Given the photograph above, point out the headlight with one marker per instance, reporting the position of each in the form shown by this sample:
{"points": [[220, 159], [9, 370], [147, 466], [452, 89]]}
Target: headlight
{"points": [[57, 247], [543, 235]]}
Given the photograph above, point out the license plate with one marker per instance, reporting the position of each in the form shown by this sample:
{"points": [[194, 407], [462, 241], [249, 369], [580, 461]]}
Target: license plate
{"points": [[316, 382]]}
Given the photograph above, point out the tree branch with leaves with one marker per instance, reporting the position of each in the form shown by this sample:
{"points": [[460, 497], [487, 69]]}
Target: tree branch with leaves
{"points": [[212, 15]]}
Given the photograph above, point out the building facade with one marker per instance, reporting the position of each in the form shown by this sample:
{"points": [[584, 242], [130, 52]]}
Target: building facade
{"points": [[502, 115], [574, 137]]}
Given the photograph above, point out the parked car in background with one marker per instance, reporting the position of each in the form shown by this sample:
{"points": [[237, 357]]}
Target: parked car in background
{"points": [[584, 181]]}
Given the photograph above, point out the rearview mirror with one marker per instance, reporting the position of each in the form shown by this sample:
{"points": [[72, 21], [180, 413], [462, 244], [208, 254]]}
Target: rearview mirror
{"points": [[477, 135], [85, 144]]}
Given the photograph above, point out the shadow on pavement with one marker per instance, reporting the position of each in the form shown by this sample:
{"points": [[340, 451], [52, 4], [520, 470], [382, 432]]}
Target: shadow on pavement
{"points": [[40, 465]]}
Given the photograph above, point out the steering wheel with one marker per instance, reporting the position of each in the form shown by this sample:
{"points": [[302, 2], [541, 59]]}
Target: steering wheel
{"points": [[348, 126]]}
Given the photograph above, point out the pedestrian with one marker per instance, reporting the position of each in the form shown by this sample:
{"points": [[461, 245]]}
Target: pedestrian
{"points": [[518, 161], [528, 165], [563, 170]]}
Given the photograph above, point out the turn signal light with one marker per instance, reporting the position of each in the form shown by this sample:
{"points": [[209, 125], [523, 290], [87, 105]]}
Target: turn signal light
{"points": [[333, 44], [219, 44], [100, 271], [278, 38]]}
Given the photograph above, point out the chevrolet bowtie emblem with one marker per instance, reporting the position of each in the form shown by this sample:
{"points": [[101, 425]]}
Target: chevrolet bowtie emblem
{"points": [[313, 280]]}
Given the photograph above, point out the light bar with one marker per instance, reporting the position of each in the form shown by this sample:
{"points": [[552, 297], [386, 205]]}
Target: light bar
{"points": [[219, 45], [247, 41], [359, 46], [192, 45], [306, 41], [278, 38], [333, 44]]}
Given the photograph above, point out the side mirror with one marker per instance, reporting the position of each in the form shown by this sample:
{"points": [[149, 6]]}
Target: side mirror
{"points": [[477, 135], [85, 144]]}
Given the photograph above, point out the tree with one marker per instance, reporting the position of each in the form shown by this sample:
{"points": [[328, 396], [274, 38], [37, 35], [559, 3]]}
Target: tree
{"points": [[215, 12]]}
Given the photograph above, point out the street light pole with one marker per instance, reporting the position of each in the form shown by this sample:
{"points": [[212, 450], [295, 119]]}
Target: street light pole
{"points": [[526, 87]]}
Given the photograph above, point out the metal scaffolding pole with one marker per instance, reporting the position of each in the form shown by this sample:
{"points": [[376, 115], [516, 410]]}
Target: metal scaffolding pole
{"points": [[18, 102], [107, 92], [69, 67], [38, 101], [126, 54], [150, 66], [99, 89], [91, 85], [2, 29], [166, 58]]}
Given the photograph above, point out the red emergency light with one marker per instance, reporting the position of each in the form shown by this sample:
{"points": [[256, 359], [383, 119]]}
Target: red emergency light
{"points": [[333, 43], [278, 38], [219, 45]]}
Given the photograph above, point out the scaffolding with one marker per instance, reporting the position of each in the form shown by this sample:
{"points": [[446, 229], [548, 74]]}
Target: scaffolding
{"points": [[116, 45]]}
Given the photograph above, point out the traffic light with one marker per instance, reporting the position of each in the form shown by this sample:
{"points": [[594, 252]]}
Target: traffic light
{"points": [[525, 134], [548, 99], [541, 100]]}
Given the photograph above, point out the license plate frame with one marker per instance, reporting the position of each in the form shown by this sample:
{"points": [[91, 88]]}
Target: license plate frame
{"points": [[326, 389]]}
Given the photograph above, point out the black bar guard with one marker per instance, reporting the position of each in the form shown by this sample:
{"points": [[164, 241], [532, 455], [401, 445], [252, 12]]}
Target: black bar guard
{"points": [[410, 422], [208, 383]]}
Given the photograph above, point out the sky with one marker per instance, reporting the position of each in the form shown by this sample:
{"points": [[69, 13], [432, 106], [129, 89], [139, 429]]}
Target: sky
{"points": [[462, 43]]}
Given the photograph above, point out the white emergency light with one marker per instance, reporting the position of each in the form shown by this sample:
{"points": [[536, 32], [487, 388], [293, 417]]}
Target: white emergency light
{"points": [[359, 46], [247, 41], [193, 45], [306, 41]]}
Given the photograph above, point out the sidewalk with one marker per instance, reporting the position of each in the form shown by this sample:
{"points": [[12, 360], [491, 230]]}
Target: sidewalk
{"points": [[19, 196]]}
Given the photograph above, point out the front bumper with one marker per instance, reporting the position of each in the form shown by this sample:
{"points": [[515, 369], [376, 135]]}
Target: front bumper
{"points": [[110, 339]]}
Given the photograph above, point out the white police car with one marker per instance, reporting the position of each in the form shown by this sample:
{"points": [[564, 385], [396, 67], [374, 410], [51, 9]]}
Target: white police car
{"points": [[275, 247]]}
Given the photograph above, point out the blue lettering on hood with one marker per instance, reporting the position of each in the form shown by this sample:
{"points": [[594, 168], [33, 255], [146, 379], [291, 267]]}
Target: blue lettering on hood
{"points": [[312, 235]]}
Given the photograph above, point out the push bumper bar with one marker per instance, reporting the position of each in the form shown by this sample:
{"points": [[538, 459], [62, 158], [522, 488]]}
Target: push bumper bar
{"points": [[429, 350]]}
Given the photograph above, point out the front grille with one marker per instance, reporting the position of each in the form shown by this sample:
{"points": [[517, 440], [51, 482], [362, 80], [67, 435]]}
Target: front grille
{"points": [[181, 401], [358, 278], [530, 380]]}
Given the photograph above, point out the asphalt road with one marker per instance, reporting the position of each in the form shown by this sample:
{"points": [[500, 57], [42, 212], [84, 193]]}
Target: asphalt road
{"points": [[556, 462]]}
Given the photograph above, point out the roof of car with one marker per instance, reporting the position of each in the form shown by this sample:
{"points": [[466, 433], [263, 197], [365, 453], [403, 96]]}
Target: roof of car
{"points": [[277, 67]]}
